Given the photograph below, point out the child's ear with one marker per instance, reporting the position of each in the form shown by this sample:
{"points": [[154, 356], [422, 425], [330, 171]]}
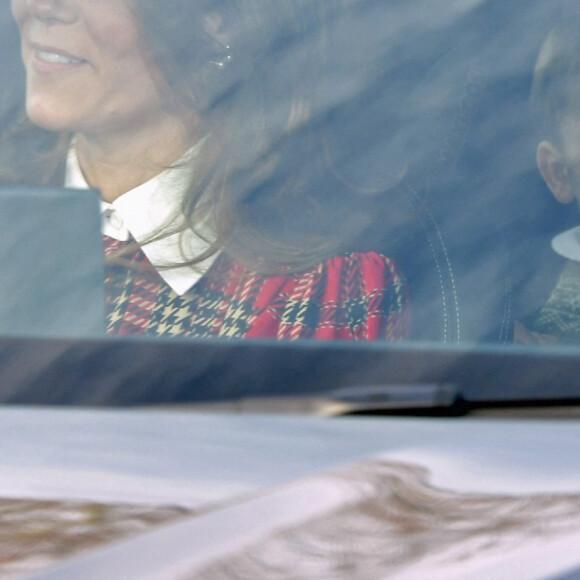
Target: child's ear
{"points": [[555, 172]]}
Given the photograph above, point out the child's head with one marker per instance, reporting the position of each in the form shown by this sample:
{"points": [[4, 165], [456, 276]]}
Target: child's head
{"points": [[556, 105]]}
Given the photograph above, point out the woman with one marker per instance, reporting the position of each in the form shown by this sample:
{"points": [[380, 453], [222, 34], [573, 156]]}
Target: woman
{"points": [[192, 120]]}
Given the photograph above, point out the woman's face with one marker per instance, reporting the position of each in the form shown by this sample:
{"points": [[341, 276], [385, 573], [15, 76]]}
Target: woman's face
{"points": [[86, 68]]}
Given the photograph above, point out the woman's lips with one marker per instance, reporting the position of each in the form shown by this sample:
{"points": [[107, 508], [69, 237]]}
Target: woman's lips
{"points": [[56, 58], [48, 59]]}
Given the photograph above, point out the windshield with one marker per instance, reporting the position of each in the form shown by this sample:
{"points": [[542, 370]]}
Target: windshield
{"points": [[315, 206], [347, 170]]}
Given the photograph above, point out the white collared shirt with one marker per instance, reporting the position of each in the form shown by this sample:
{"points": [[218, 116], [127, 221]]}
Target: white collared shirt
{"points": [[567, 244], [145, 209]]}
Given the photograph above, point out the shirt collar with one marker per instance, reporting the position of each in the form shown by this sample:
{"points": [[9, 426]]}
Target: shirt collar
{"points": [[144, 210], [567, 244]]}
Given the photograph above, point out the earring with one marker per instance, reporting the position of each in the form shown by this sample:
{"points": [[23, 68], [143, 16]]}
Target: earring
{"points": [[227, 59]]}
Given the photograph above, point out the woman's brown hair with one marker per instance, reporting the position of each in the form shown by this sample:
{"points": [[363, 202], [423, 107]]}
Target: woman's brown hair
{"points": [[253, 69]]}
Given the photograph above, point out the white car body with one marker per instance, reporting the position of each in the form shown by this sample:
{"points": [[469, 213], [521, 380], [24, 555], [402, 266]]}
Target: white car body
{"points": [[262, 481]]}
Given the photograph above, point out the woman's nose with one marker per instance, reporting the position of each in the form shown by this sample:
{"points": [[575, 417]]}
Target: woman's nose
{"points": [[51, 10]]}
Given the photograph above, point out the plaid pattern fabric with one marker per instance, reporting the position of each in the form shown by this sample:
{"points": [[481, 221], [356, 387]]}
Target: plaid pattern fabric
{"points": [[350, 297], [560, 316]]}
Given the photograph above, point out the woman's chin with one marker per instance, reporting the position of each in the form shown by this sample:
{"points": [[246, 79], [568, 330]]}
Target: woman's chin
{"points": [[49, 123], [52, 118]]}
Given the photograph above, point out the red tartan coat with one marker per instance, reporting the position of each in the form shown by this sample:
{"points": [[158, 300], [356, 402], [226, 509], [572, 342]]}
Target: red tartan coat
{"points": [[357, 296]]}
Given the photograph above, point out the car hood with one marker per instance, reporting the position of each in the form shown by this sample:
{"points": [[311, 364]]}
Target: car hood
{"points": [[395, 497]]}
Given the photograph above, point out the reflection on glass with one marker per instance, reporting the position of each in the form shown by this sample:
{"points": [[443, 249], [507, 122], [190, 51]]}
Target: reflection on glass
{"points": [[346, 169], [197, 123], [385, 519]]}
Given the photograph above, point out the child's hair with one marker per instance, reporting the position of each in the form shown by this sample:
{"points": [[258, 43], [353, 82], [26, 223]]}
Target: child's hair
{"points": [[556, 84]]}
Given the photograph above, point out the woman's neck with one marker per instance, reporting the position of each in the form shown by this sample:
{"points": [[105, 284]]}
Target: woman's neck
{"points": [[115, 164]]}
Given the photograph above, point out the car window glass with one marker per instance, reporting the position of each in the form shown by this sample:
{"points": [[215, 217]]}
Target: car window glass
{"points": [[411, 124]]}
